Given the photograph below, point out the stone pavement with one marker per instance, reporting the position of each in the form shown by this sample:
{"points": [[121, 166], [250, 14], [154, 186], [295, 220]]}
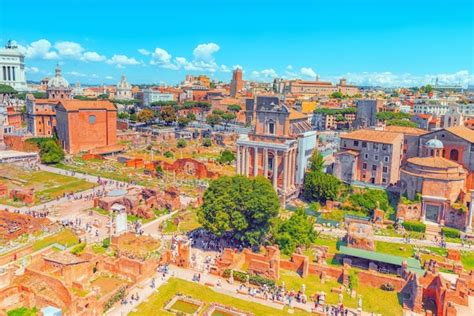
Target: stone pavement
{"points": [[144, 291]]}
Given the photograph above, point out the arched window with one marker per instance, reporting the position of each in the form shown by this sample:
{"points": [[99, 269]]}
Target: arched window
{"points": [[454, 154]]}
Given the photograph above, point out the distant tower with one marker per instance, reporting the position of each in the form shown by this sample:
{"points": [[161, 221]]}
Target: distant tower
{"points": [[237, 83], [58, 87]]}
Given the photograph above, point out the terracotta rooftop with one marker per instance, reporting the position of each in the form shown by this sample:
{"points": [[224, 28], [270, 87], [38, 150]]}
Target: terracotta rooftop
{"points": [[463, 132], [46, 101], [405, 130], [295, 115], [433, 162], [424, 116], [375, 136], [75, 105]]}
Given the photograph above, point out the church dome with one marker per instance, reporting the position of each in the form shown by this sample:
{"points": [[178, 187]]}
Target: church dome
{"points": [[434, 144], [58, 81]]}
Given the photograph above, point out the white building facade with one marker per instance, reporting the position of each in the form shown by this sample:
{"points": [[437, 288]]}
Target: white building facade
{"points": [[150, 96], [12, 67]]}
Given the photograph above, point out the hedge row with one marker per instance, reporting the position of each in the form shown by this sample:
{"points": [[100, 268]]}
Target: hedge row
{"points": [[451, 232], [415, 226], [253, 279]]}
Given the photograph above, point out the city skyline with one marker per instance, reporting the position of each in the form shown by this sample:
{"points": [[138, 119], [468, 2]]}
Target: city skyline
{"points": [[390, 44]]}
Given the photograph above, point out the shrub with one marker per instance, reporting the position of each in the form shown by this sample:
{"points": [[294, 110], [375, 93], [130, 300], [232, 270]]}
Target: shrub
{"points": [[106, 243], [226, 157], [353, 280], [253, 279], [415, 226], [387, 286], [451, 232], [78, 248], [168, 154], [181, 143], [207, 142]]}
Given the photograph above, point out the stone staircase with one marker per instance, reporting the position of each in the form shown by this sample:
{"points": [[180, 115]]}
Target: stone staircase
{"points": [[432, 230]]}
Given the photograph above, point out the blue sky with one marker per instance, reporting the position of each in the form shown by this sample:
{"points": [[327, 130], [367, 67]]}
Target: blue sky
{"points": [[369, 42]]}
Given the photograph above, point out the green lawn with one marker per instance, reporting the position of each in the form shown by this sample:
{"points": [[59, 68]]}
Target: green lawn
{"points": [[394, 248], [65, 237], [156, 302], [467, 259], [48, 186], [373, 299]]}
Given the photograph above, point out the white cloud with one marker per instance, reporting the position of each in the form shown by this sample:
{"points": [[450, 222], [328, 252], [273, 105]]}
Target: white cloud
{"points": [[144, 52], [69, 49], [76, 74], [224, 68], [308, 72], [289, 67], [93, 56], [237, 67], [121, 60], [268, 73], [40, 49], [205, 51], [32, 70], [109, 77]]}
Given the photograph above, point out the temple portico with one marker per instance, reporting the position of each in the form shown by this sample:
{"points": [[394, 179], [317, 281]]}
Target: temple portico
{"points": [[279, 145], [274, 161]]}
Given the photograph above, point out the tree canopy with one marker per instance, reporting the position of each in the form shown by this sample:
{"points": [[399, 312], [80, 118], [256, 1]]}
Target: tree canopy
{"points": [[243, 207], [167, 114], [50, 151], [213, 119], [319, 186], [234, 108], [226, 157], [6, 89], [296, 231], [316, 162], [146, 115]]}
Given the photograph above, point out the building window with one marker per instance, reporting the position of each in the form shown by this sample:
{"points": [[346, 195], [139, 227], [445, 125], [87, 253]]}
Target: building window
{"points": [[364, 144], [356, 143], [366, 156], [384, 180], [271, 128], [270, 163], [384, 147], [376, 157], [364, 166], [92, 119], [454, 154], [374, 167], [376, 147], [385, 169], [385, 158], [4, 73]]}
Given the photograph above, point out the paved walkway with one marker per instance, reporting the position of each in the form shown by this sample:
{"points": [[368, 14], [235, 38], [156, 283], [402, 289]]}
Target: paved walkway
{"points": [[144, 291], [398, 240]]}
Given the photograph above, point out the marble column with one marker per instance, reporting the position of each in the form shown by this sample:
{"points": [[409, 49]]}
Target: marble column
{"points": [[247, 162], [255, 161], [265, 162], [285, 172], [275, 169], [238, 167], [471, 214]]}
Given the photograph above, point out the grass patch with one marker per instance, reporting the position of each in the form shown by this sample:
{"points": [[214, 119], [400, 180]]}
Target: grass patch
{"points": [[65, 237], [156, 302], [467, 259], [374, 299]]}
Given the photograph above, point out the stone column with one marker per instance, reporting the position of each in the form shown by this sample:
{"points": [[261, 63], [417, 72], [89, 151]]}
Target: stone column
{"points": [[265, 162], [247, 162], [292, 167], [275, 170], [423, 211], [255, 161], [238, 167], [471, 214], [285, 172]]}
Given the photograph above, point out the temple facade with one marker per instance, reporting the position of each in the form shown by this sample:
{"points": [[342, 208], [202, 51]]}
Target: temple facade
{"points": [[279, 146]]}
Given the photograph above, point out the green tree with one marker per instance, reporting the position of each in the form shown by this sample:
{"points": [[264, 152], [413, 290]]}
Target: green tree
{"points": [[6, 89], [337, 95], [243, 207], [226, 157], [133, 117], [316, 162], [159, 171], [146, 115], [218, 112], [234, 108], [213, 119], [207, 142], [181, 143], [319, 186], [296, 231], [167, 114], [123, 115], [50, 151], [404, 123], [183, 121], [164, 103], [23, 311], [227, 117], [191, 117], [368, 200]]}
